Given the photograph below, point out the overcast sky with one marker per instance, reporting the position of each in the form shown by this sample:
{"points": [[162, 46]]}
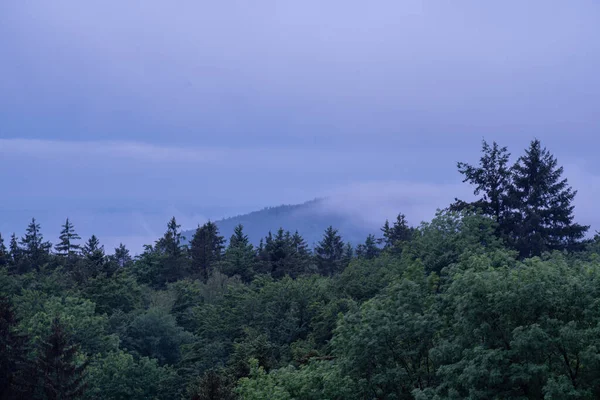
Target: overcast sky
{"points": [[121, 114]]}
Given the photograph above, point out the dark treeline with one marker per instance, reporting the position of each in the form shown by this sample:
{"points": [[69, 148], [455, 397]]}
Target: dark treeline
{"points": [[496, 298]]}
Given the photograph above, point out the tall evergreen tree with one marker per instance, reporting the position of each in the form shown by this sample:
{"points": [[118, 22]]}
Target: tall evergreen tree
{"points": [[397, 234], [492, 180], [67, 246], [240, 257], [4, 256], [122, 257], [93, 259], [206, 249], [35, 250], [369, 249], [13, 355], [170, 246], [15, 254], [330, 252], [62, 377], [543, 215]]}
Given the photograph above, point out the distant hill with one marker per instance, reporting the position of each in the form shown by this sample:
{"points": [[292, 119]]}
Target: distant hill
{"points": [[310, 219]]}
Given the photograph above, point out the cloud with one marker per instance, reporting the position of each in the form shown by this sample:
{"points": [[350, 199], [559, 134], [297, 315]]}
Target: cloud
{"points": [[373, 202]]}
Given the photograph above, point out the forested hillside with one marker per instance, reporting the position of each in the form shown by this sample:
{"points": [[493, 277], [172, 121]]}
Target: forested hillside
{"points": [[310, 219], [494, 299]]}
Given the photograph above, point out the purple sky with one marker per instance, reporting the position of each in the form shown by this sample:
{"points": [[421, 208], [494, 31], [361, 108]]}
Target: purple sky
{"points": [[120, 114]]}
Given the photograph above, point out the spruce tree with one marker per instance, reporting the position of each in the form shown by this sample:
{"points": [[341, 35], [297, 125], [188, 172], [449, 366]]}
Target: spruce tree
{"points": [[330, 252], [171, 247], [14, 379], [67, 246], [240, 257], [35, 250], [4, 256], [206, 249], [369, 249], [396, 235], [491, 179], [15, 254], [62, 377], [122, 257], [542, 219], [93, 260]]}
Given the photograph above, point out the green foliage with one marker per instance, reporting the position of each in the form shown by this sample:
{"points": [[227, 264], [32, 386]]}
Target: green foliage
{"points": [[77, 316], [119, 376], [454, 308], [330, 253], [155, 334], [62, 376], [206, 250]]}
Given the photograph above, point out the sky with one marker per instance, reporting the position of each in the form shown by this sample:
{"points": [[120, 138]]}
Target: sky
{"points": [[121, 114]]}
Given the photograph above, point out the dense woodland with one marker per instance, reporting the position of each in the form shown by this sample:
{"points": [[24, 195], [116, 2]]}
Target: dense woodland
{"points": [[493, 299]]}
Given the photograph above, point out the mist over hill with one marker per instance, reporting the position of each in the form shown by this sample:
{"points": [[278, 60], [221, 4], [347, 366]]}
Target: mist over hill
{"points": [[310, 219]]}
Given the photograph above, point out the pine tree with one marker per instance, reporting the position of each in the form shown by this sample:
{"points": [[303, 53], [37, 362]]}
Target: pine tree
{"points": [[492, 180], [398, 234], [348, 255], [122, 257], [206, 249], [15, 254], [35, 250], [62, 378], [4, 256], [542, 219], [330, 252], [369, 249], [175, 264], [67, 248], [240, 257], [13, 355], [93, 260]]}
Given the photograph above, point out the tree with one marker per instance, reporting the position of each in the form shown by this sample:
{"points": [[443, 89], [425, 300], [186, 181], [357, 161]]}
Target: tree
{"points": [[369, 249], [240, 257], [396, 235], [330, 252], [13, 355], [93, 259], [4, 256], [492, 179], [206, 249], [62, 376], [170, 247], [67, 248], [15, 254], [543, 216], [35, 250], [120, 376], [122, 257]]}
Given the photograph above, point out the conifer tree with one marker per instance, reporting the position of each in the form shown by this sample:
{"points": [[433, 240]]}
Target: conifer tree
{"points": [[67, 246], [62, 378], [369, 249], [93, 259], [543, 215], [15, 254], [206, 249], [330, 252], [170, 246], [122, 257], [240, 257], [35, 250], [397, 234], [4, 256], [13, 355], [492, 180]]}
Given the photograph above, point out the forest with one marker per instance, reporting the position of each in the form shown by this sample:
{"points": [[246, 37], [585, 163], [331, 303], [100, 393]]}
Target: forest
{"points": [[497, 298]]}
